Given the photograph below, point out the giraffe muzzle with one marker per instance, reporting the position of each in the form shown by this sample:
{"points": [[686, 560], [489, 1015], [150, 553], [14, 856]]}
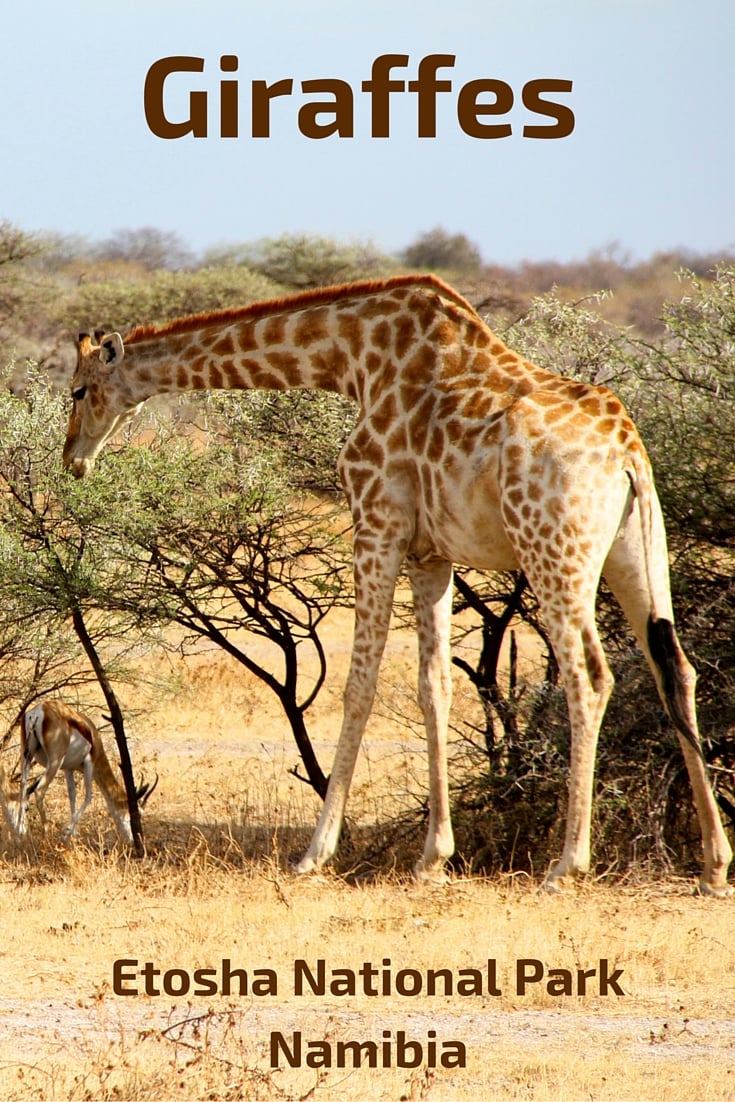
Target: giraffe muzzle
{"points": [[80, 468]]}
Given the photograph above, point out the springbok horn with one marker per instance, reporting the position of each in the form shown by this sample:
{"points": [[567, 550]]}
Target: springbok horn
{"points": [[144, 790]]}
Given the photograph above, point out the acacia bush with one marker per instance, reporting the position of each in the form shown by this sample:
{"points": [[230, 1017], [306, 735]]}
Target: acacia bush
{"points": [[222, 537], [440, 250], [124, 303], [306, 260], [209, 529]]}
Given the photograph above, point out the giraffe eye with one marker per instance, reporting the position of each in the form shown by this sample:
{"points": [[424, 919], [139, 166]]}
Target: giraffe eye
{"points": [[79, 393]]}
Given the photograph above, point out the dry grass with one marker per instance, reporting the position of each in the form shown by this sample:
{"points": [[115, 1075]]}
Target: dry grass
{"points": [[66, 1034], [214, 885]]}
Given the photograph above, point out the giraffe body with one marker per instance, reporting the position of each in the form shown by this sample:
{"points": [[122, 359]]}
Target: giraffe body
{"points": [[463, 452]]}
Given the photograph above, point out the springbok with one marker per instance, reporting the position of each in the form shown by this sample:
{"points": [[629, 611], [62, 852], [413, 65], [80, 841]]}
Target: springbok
{"points": [[59, 737]]}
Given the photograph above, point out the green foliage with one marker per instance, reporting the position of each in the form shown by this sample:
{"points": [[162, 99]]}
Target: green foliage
{"points": [[149, 247], [303, 260], [47, 580], [123, 303], [24, 292], [299, 433], [220, 538], [438, 250], [570, 338], [691, 412]]}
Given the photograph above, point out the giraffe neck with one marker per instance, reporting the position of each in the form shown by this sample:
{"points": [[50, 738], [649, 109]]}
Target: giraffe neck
{"points": [[333, 339], [238, 356]]}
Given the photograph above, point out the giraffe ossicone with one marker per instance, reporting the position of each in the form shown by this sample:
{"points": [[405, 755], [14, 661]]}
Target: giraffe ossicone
{"points": [[463, 452]]}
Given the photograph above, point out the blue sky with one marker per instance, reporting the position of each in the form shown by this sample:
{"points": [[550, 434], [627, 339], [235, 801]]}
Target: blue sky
{"points": [[649, 163]]}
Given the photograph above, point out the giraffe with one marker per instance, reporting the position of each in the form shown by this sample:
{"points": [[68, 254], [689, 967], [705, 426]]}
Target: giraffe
{"points": [[463, 452]]}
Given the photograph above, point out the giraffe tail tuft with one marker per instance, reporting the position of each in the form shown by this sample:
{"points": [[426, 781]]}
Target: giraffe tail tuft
{"points": [[663, 646]]}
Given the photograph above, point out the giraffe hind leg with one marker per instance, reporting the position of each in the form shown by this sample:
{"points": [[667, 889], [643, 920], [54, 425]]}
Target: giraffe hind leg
{"points": [[676, 684], [567, 601], [675, 678], [588, 683]]}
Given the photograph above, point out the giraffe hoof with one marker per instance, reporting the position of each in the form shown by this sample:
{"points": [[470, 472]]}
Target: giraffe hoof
{"points": [[310, 866], [304, 866], [552, 887], [432, 874], [703, 888]]}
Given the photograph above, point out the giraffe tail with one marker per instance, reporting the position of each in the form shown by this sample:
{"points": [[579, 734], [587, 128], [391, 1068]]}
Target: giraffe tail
{"points": [[639, 473], [675, 674]]}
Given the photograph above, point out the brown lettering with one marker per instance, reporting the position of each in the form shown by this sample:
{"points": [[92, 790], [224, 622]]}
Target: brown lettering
{"points": [[262, 95], [155, 115], [469, 110], [532, 100], [342, 110]]}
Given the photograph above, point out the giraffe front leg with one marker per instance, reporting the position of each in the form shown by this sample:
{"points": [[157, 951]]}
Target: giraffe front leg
{"points": [[358, 698], [375, 578], [432, 597]]}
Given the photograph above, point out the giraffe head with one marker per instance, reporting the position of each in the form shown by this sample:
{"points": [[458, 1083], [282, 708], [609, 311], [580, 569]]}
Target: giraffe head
{"points": [[102, 401]]}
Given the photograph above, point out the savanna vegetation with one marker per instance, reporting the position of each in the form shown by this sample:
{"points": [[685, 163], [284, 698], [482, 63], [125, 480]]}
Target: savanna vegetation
{"points": [[227, 516], [197, 591]]}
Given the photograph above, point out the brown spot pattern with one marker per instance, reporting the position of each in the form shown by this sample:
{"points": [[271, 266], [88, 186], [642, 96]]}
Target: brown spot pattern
{"points": [[225, 346], [310, 327], [381, 335], [350, 330], [405, 335]]}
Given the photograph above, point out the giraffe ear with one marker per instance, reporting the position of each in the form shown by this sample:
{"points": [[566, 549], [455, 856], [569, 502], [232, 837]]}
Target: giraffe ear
{"points": [[111, 349]]}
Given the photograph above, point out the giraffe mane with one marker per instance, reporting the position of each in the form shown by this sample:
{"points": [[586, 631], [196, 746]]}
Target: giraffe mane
{"points": [[314, 297]]}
